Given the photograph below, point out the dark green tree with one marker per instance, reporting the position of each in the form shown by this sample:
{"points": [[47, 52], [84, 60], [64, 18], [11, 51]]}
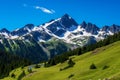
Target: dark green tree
{"points": [[79, 51], [37, 66], [13, 75], [92, 66], [71, 63], [30, 69], [9, 62]]}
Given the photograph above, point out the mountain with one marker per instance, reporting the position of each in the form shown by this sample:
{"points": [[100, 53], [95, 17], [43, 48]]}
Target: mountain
{"points": [[39, 43], [4, 32], [22, 31]]}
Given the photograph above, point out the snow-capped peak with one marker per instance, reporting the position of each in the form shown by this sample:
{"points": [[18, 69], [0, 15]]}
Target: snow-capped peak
{"points": [[64, 28], [4, 30]]}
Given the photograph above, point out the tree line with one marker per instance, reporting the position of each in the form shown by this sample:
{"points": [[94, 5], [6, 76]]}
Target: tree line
{"points": [[9, 62], [81, 50]]}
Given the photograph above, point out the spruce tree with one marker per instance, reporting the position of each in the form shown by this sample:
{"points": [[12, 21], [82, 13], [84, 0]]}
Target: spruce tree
{"points": [[92, 66], [71, 63]]}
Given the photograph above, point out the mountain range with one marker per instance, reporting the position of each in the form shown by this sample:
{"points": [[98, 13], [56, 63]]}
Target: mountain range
{"points": [[40, 43]]}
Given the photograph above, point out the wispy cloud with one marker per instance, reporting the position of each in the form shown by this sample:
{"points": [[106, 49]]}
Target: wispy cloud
{"points": [[45, 10]]}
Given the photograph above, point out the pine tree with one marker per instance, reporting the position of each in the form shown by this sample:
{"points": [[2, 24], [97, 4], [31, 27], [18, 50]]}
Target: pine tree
{"points": [[92, 66], [71, 63], [79, 51]]}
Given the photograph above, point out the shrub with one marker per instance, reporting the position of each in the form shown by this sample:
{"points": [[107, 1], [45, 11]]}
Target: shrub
{"points": [[13, 75], [71, 63], [70, 75], [105, 67], [30, 69], [92, 66], [21, 75], [61, 69], [22, 67]]}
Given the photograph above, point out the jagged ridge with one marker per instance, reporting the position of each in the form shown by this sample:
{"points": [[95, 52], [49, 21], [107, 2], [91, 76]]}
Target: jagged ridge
{"points": [[65, 31]]}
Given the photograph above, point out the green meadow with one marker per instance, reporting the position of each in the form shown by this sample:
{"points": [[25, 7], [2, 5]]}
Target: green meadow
{"points": [[106, 60]]}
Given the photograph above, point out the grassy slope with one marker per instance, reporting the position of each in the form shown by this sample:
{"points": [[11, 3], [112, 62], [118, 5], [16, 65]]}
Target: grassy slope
{"points": [[17, 72], [108, 55]]}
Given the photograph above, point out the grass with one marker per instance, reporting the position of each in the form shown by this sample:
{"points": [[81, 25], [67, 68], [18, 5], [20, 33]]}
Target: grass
{"points": [[101, 57], [17, 72]]}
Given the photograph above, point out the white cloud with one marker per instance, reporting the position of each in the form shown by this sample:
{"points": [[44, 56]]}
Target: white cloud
{"points": [[45, 10]]}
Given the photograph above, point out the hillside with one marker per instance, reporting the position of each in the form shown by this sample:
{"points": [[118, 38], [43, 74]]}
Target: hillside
{"points": [[101, 57]]}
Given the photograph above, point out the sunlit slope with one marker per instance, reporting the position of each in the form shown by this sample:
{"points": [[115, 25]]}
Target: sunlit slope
{"points": [[101, 57]]}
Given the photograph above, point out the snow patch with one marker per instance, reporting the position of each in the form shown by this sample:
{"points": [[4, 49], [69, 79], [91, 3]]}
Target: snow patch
{"points": [[14, 37], [79, 28], [70, 17], [1, 41], [40, 40], [47, 24], [36, 28], [27, 29], [17, 29], [111, 33]]}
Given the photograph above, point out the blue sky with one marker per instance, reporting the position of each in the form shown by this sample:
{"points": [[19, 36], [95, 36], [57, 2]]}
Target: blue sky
{"points": [[16, 13]]}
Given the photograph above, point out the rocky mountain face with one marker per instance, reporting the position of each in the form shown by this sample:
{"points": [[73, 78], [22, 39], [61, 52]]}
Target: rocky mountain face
{"points": [[39, 43], [23, 30]]}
